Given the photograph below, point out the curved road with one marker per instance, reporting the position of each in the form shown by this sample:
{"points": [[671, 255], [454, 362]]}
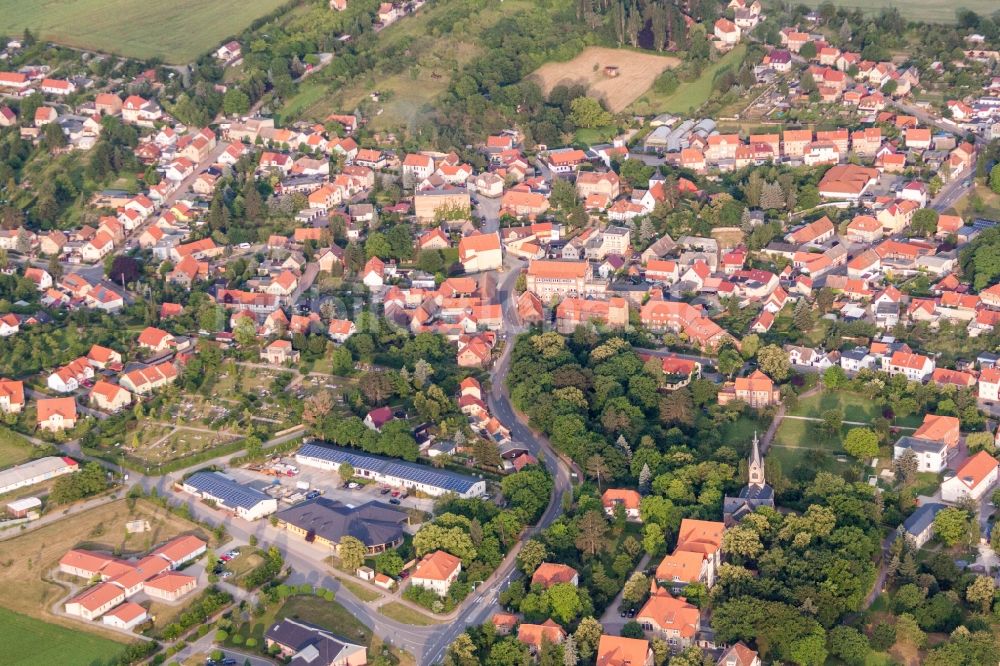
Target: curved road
{"points": [[427, 644]]}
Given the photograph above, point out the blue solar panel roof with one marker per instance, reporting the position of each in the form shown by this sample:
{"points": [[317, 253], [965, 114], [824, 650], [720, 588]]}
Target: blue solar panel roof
{"points": [[450, 481], [226, 490]]}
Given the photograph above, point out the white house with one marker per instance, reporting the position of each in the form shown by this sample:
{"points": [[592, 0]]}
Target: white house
{"points": [[436, 572], [974, 478], [932, 456]]}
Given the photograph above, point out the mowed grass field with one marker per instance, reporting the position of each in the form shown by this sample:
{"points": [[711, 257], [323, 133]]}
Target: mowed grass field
{"points": [[30, 642], [178, 31], [932, 11], [637, 71]]}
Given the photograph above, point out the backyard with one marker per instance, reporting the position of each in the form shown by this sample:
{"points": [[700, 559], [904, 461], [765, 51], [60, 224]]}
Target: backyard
{"points": [[327, 614]]}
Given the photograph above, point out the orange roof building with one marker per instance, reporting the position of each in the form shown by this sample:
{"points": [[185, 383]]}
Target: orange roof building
{"points": [[972, 480], [620, 651], [551, 573], [671, 618]]}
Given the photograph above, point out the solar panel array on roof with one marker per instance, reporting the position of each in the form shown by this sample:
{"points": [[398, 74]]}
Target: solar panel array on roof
{"points": [[449, 481], [227, 491]]}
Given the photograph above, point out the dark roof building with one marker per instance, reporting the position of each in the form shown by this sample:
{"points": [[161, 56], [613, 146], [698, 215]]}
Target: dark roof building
{"points": [[755, 494], [391, 471], [325, 521], [309, 645]]}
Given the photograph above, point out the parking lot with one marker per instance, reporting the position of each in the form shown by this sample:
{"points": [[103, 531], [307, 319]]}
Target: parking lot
{"points": [[329, 484]]}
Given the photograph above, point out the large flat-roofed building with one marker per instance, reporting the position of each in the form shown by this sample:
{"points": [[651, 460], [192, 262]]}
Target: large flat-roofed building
{"points": [[35, 471], [325, 521], [246, 502], [399, 473]]}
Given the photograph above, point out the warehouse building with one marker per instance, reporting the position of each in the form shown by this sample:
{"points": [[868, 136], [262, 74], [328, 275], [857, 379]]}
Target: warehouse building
{"points": [[35, 471], [245, 502], [392, 472]]}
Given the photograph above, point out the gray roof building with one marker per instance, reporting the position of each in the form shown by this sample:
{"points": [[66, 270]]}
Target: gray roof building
{"points": [[378, 526]]}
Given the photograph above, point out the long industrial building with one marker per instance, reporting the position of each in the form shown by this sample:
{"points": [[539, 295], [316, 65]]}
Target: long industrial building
{"points": [[246, 502], [392, 472]]}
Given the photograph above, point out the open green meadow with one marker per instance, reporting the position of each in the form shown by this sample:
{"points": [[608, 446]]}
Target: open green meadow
{"points": [[14, 449], [690, 94], [30, 642], [932, 11], [178, 31]]}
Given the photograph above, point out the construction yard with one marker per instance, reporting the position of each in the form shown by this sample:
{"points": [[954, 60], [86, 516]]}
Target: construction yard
{"points": [[636, 72]]}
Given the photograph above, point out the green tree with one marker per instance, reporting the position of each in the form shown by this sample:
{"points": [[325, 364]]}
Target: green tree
{"points": [[352, 553], [588, 635], [981, 592], [346, 472], [849, 645], [995, 178], [587, 112], [532, 554], [951, 524], [861, 443], [773, 361], [652, 538], [235, 102]]}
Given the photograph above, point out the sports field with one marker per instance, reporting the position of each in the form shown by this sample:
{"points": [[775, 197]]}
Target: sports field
{"points": [[932, 11], [636, 73], [30, 642], [178, 31]]}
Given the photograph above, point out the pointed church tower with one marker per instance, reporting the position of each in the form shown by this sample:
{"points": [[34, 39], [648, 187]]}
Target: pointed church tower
{"points": [[755, 471]]}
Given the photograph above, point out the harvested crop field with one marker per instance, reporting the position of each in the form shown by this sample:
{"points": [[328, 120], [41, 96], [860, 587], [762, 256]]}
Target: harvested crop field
{"points": [[636, 73]]}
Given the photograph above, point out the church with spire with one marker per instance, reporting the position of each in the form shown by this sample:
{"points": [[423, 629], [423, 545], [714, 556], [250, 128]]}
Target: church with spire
{"points": [[756, 493]]}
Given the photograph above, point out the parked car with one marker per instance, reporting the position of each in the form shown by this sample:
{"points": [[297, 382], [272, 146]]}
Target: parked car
{"points": [[395, 493], [394, 500], [353, 486], [386, 491]]}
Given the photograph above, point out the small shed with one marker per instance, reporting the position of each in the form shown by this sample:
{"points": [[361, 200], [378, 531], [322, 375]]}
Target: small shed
{"points": [[611, 71], [22, 507], [365, 573]]}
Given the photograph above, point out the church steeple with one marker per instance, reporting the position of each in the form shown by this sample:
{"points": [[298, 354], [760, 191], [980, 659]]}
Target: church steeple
{"points": [[755, 471]]}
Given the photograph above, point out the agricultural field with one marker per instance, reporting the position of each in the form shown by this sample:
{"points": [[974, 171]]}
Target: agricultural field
{"points": [[689, 95], [29, 642], [26, 561], [14, 449], [637, 71], [178, 32], [933, 11]]}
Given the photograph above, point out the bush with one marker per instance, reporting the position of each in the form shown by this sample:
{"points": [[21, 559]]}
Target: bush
{"points": [[237, 639], [666, 83], [221, 636], [251, 642]]}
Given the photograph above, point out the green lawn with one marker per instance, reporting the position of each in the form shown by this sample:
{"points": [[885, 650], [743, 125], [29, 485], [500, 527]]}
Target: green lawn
{"points": [[176, 31], [740, 432], [30, 642], [691, 94], [397, 611], [14, 449], [595, 135], [359, 590], [855, 407], [933, 11]]}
